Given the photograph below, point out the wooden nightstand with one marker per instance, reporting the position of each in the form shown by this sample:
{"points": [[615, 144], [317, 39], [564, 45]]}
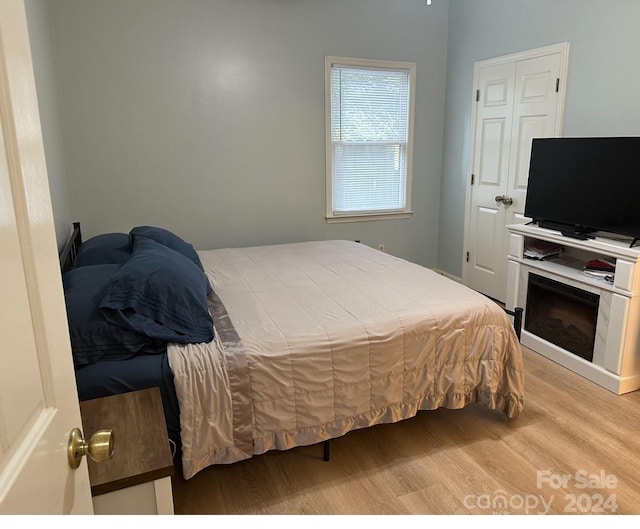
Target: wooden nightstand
{"points": [[137, 480]]}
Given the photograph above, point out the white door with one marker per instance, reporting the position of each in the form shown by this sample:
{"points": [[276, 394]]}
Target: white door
{"points": [[518, 97], [490, 176], [38, 398]]}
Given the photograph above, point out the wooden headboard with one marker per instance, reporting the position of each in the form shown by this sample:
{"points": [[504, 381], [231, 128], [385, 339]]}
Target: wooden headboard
{"points": [[70, 248]]}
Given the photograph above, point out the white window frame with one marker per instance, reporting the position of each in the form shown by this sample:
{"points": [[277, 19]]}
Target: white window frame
{"points": [[409, 67]]}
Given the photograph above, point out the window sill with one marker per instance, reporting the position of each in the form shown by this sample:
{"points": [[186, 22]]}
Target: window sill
{"points": [[332, 219]]}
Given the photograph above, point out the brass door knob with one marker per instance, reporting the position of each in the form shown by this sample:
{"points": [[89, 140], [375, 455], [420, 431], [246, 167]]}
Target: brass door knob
{"points": [[99, 448], [507, 201]]}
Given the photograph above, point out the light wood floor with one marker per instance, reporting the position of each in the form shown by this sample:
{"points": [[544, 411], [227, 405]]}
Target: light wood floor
{"points": [[451, 461]]}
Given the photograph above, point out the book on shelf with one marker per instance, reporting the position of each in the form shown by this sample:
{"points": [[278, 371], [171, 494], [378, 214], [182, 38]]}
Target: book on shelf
{"points": [[602, 265], [541, 249], [600, 274], [600, 269]]}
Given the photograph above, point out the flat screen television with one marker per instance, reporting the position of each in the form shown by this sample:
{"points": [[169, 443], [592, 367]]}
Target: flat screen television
{"points": [[579, 186]]}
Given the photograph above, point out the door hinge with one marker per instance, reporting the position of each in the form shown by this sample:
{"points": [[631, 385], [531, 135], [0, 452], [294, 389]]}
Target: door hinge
{"points": [[557, 84], [473, 178], [478, 94], [467, 257]]}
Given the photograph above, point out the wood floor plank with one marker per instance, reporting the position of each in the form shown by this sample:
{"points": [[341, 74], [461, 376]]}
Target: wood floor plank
{"points": [[470, 461]]}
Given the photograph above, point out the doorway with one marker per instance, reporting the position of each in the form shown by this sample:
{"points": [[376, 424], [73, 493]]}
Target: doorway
{"points": [[517, 98]]}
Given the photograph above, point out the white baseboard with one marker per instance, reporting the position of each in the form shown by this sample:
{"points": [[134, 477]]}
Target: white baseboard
{"points": [[447, 274]]}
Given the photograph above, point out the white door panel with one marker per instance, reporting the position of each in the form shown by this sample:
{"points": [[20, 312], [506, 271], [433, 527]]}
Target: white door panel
{"points": [[535, 116], [490, 173], [516, 100], [485, 268], [38, 398], [529, 127], [493, 156], [487, 220]]}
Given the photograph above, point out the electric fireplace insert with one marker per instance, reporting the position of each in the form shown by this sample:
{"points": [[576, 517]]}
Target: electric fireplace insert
{"points": [[562, 314]]}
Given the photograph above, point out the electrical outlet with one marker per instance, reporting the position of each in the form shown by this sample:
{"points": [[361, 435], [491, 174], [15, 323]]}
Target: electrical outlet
{"points": [[381, 247]]}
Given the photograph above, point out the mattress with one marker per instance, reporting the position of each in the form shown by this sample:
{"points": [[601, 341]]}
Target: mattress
{"points": [[315, 339]]}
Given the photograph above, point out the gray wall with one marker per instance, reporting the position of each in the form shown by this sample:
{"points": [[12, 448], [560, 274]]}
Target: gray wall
{"points": [[41, 41], [207, 117], [602, 87]]}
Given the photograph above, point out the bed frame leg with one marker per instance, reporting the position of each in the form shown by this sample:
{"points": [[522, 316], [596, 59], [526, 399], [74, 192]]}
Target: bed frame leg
{"points": [[517, 321], [326, 450]]}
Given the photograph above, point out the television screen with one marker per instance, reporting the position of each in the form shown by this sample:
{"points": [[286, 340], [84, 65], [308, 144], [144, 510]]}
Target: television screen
{"points": [[578, 185]]}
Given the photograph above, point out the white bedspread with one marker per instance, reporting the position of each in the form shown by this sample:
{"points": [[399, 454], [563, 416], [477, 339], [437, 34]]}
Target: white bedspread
{"points": [[316, 339]]}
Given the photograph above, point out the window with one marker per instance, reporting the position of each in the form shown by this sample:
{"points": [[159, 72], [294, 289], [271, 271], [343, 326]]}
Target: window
{"points": [[369, 127]]}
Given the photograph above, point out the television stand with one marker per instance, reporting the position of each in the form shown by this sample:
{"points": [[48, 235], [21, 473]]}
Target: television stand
{"points": [[615, 363]]}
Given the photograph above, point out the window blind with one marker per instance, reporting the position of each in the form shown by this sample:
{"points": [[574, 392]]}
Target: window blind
{"points": [[369, 136]]}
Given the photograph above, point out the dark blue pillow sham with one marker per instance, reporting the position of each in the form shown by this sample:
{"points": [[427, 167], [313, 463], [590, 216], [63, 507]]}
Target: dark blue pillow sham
{"points": [[170, 240], [107, 248], [159, 293], [93, 338]]}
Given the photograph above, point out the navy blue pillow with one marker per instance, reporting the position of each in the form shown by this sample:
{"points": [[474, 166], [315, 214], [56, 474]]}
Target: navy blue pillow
{"points": [[93, 338], [107, 248], [159, 293], [170, 240]]}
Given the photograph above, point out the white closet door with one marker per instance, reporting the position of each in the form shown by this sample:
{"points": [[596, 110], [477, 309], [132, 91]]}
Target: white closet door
{"points": [[535, 115], [490, 176], [518, 98]]}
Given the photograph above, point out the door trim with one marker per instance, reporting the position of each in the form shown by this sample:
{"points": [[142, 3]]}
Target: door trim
{"points": [[563, 49]]}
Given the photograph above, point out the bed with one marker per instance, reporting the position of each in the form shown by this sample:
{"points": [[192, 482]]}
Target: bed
{"points": [[310, 341]]}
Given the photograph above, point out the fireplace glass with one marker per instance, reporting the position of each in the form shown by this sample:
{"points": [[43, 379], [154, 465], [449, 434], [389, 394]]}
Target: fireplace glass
{"points": [[563, 315]]}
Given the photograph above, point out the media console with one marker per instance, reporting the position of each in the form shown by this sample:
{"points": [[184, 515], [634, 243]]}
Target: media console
{"points": [[579, 308]]}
